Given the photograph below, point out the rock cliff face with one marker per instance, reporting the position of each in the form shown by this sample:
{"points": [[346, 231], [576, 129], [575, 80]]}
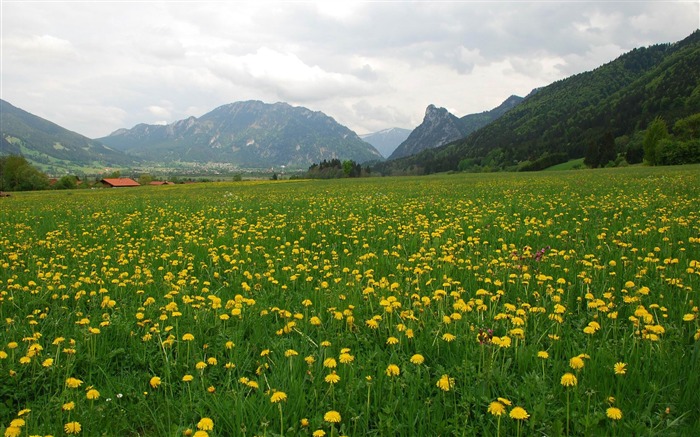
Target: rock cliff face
{"points": [[439, 127], [248, 134]]}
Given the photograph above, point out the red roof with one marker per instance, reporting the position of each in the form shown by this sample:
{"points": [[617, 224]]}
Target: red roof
{"points": [[120, 182]]}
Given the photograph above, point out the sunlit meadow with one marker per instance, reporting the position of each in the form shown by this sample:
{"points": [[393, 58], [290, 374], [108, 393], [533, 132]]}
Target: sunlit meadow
{"points": [[563, 303]]}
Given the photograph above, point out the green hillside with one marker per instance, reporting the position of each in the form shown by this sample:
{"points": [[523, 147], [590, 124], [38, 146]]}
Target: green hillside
{"points": [[51, 147], [560, 121]]}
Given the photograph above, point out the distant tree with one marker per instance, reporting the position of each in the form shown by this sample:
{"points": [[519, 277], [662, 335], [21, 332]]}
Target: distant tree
{"points": [[656, 132], [274, 177], [145, 179], [687, 128], [16, 174], [67, 182], [607, 151], [592, 154]]}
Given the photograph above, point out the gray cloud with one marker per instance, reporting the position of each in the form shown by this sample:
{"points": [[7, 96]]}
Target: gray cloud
{"points": [[107, 65]]}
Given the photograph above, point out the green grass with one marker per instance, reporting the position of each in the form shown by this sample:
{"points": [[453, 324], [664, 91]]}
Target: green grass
{"points": [[568, 165], [477, 273]]}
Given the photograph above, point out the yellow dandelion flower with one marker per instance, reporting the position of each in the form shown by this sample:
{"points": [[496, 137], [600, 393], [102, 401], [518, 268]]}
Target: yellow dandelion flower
{"points": [[689, 317], [13, 431], [187, 378], [92, 394], [518, 413], [417, 359], [330, 363], [613, 413], [68, 406], [47, 362], [392, 340], [200, 433], [496, 408], [448, 337], [576, 363], [620, 368], [543, 354], [18, 423], [201, 365], [72, 428], [304, 422], [392, 370], [445, 383], [505, 401], [278, 396], [205, 424], [332, 378], [188, 337], [569, 380], [290, 353], [73, 382], [332, 417], [319, 433], [346, 358], [154, 382]]}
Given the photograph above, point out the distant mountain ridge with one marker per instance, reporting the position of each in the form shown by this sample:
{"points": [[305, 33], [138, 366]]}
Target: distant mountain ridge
{"points": [[561, 120], [387, 140], [250, 134], [440, 127], [50, 145]]}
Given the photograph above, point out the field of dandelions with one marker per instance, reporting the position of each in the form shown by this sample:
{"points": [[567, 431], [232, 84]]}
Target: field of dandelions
{"points": [[561, 303]]}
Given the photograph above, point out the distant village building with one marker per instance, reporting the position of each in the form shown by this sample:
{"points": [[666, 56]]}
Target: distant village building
{"points": [[119, 183]]}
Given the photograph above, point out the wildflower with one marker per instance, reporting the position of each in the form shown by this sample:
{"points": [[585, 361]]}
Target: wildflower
{"points": [[689, 317], [73, 382], [290, 353], [496, 408], [68, 406], [445, 383], [576, 363], [346, 358], [392, 340], [543, 354], [330, 363], [201, 365], [392, 370], [417, 359], [620, 368], [17, 423], [47, 362], [187, 378], [205, 424], [332, 417], [72, 428], [304, 422], [569, 380], [154, 382], [319, 433], [13, 431], [332, 378], [518, 413], [92, 394], [278, 396], [448, 337], [505, 401], [188, 337], [613, 413]]}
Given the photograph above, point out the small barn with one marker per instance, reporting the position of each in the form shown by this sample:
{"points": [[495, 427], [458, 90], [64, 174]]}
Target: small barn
{"points": [[119, 183]]}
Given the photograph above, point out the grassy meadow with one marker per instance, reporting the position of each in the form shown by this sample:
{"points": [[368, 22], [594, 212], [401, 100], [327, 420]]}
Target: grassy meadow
{"points": [[557, 303]]}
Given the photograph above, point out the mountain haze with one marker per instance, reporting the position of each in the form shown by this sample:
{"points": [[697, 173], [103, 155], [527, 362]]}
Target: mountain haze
{"points": [[387, 140], [249, 134]]}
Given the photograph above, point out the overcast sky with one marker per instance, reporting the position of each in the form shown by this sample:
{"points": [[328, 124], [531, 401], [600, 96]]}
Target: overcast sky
{"points": [[94, 67]]}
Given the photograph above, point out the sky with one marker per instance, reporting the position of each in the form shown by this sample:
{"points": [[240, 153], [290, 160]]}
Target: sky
{"points": [[95, 67]]}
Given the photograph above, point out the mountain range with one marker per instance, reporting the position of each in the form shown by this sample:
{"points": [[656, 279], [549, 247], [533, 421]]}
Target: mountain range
{"points": [[552, 124], [250, 134]]}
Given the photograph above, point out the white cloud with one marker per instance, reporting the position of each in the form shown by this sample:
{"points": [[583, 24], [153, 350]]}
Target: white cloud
{"points": [[370, 65]]}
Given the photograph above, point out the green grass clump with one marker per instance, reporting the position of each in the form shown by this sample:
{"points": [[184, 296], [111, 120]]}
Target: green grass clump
{"points": [[490, 304]]}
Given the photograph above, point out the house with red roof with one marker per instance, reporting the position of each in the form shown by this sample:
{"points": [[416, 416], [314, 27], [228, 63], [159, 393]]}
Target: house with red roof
{"points": [[119, 183]]}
